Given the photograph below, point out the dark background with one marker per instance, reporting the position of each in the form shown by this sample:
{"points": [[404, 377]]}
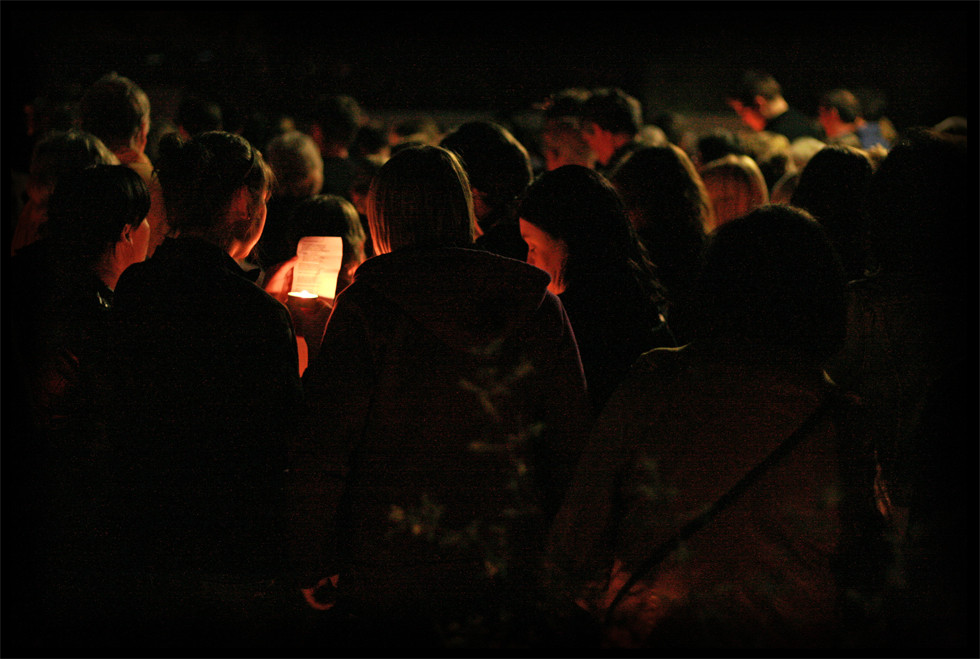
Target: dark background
{"points": [[500, 56]]}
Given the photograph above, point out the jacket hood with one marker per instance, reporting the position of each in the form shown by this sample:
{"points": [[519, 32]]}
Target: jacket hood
{"points": [[465, 297]]}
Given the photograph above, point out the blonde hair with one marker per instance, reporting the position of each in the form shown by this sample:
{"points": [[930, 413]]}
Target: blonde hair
{"points": [[421, 197], [736, 187]]}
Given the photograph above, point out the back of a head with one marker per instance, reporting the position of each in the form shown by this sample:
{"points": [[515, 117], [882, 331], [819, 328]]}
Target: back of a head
{"points": [[772, 286], [614, 110], [660, 187], [920, 208], [295, 159], [421, 198], [201, 176], [330, 215], [113, 109], [90, 207], [61, 152], [735, 185], [717, 144], [771, 152], [197, 115], [496, 163], [846, 103], [578, 206], [754, 83], [339, 117]]}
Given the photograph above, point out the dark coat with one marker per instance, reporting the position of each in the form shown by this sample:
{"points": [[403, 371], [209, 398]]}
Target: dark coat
{"points": [[207, 395], [435, 368]]}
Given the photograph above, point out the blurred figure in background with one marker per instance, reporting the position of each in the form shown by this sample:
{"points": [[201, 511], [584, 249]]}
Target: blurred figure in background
{"points": [[56, 155], [334, 125], [561, 137], [757, 98], [839, 114], [499, 171], [117, 111], [197, 115]]}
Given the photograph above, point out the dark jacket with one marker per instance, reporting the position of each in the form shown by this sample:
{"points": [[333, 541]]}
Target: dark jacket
{"points": [[614, 323], [435, 369], [793, 124], [207, 396]]}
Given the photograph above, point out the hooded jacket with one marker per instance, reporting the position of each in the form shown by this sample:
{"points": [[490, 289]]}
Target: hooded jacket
{"points": [[448, 395]]}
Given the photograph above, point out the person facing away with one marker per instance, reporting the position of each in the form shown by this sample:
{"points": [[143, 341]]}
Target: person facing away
{"points": [[298, 167], [668, 204], [757, 98], [447, 409], [689, 422], [58, 311], [499, 170], [207, 395], [577, 231], [117, 111], [56, 154], [834, 188], [735, 186]]}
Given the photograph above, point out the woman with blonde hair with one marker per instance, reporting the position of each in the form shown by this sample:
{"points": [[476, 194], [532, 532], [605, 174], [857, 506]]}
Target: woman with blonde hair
{"points": [[736, 187], [447, 377]]}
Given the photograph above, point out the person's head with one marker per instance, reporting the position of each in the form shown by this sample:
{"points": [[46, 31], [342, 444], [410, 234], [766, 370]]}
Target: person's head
{"points": [[837, 111], [117, 111], [611, 118], [336, 119], [421, 198], [833, 188], [197, 115], [735, 185], [660, 187], [99, 214], [919, 208], [771, 152], [756, 97], [717, 143], [415, 130], [59, 153], [371, 143], [771, 286], [296, 162], [215, 186], [331, 215], [497, 165], [669, 206], [575, 225]]}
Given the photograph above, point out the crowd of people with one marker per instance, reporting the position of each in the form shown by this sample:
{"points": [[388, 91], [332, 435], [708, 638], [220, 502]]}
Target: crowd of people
{"points": [[606, 384]]}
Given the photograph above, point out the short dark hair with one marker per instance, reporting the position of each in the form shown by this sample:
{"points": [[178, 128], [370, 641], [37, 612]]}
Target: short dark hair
{"points": [[339, 117], [846, 103], [90, 207], [495, 162], [614, 110], [754, 83], [198, 115], [772, 284], [113, 109], [61, 152]]}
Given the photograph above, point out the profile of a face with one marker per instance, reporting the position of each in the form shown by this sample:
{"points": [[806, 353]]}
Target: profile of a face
{"points": [[547, 253]]}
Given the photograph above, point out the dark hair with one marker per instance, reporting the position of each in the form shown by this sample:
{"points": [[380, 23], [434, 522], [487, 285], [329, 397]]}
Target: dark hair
{"points": [[614, 110], [718, 143], [833, 188], [847, 105], [197, 115], [368, 141], [200, 177], [330, 215], [754, 83], [920, 207], [495, 162], [61, 152], [113, 109], [421, 198], [295, 159], [772, 284], [670, 208], [339, 117], [578, 206], [89, 208]]}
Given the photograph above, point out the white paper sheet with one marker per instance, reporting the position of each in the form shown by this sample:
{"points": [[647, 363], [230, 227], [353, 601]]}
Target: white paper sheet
{"points": [[318, 267]]}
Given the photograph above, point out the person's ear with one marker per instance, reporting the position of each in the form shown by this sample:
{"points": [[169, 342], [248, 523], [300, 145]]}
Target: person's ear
{"points": [[126, 235], [759, 102]]}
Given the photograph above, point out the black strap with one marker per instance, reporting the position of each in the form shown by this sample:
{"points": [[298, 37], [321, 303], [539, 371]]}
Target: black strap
{"points": [[667, 547]]}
